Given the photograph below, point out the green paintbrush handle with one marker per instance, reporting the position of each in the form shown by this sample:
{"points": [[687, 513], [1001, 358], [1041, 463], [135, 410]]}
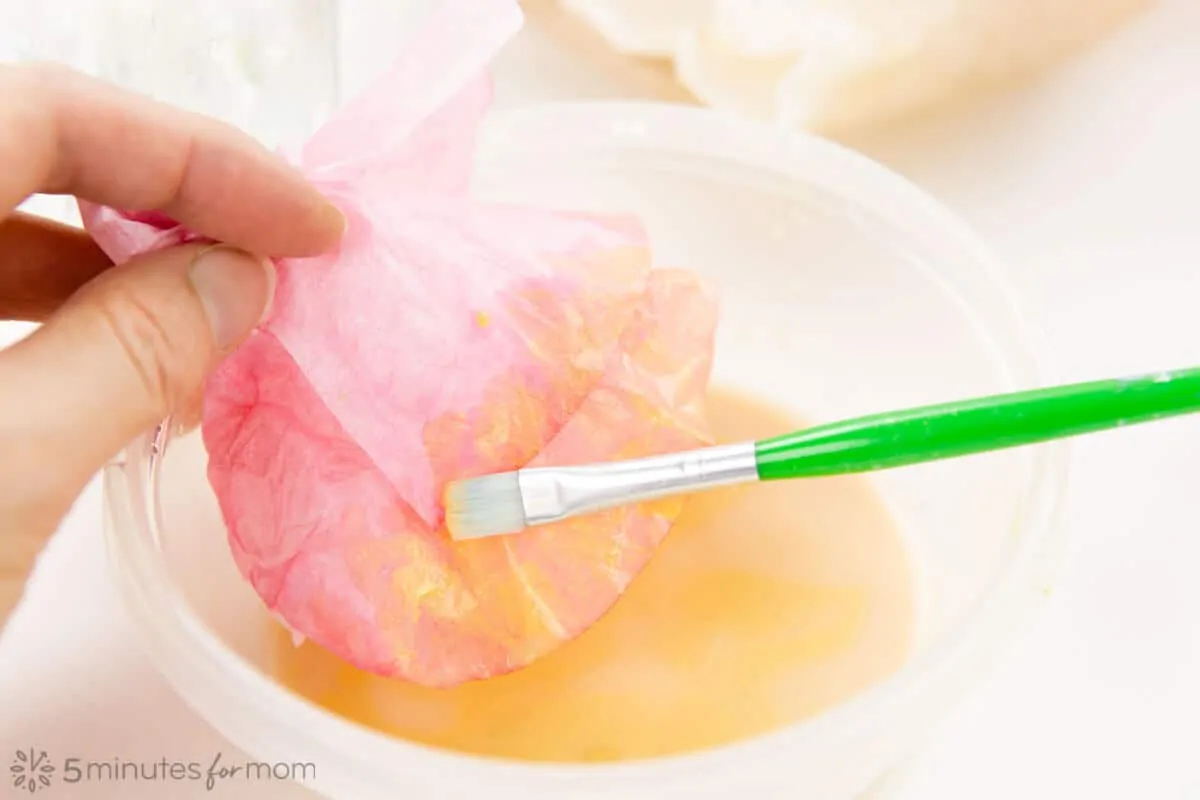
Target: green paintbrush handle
{"points": [[948, 430]]}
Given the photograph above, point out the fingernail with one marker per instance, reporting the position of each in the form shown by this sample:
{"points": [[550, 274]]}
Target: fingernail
{"points": [[342, 221], [235, 289]]}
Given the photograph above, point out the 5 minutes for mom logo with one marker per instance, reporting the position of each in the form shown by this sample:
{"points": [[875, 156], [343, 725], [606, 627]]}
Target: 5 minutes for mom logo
{"points": [[32, 770]]}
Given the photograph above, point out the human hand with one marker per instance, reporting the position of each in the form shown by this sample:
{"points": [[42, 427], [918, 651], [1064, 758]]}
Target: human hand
{"points": [[121, 348]]}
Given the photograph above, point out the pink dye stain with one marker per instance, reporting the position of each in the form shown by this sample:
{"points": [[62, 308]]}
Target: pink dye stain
{"points": [[446, 338]]}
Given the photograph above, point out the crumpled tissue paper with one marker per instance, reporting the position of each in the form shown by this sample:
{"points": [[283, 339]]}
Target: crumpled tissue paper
{"points": [[838, 66], [446, 338]]}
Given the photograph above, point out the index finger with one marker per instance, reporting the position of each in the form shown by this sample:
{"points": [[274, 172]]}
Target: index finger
{"points": [[63, 132]]}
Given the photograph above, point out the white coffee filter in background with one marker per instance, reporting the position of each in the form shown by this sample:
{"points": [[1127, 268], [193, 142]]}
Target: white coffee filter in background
{"points": [[835, 65]]}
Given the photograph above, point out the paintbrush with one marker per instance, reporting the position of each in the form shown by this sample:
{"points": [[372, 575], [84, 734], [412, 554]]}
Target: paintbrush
{"points": [[504, 503]]}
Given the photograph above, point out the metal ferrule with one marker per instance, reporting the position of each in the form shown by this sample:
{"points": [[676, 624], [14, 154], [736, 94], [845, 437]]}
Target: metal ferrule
{"points": [[550, 494]]}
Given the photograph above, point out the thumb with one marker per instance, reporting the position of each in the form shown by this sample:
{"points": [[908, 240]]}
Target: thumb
{"points": [[129, 349]]}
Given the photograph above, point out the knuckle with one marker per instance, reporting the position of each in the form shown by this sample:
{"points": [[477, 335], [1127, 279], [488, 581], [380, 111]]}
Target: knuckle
{"points": [[33, 93], [159, 359], [26, 86]]}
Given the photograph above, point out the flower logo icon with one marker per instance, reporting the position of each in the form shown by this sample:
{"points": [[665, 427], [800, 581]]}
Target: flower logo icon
{"points": [[31, 770]]}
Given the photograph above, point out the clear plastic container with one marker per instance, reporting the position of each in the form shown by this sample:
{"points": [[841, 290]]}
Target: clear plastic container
{"points": [[845, 291]]}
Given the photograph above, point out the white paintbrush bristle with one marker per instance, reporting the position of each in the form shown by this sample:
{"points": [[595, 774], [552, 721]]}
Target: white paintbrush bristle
{"points": [[490, 505]]}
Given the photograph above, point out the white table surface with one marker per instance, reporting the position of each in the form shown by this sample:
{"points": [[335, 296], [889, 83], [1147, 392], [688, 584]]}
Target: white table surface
{"points": [[1089, 184]]}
